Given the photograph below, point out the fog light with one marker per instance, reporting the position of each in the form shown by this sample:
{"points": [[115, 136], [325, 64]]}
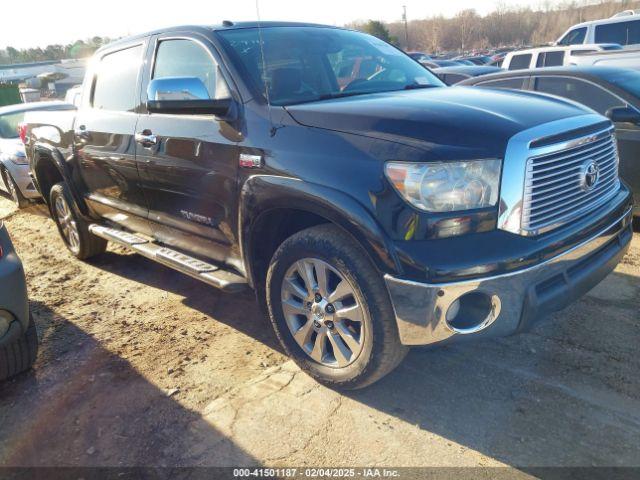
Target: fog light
{"points": [[472, 312], [5, 321]]}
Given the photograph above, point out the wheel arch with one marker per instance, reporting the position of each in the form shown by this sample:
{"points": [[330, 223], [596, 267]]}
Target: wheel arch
{"points": [[273, 208]]}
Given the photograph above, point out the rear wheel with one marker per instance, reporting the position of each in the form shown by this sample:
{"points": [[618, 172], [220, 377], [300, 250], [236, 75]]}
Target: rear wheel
{"points": [[331, 310], [20, 355], [14, 191], [72, 227]]}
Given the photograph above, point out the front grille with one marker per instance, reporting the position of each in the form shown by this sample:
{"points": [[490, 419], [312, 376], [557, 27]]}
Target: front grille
{"points": [[555, 192]]}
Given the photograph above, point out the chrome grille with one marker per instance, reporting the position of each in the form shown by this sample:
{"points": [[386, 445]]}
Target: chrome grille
{"points": [[554, 189]]}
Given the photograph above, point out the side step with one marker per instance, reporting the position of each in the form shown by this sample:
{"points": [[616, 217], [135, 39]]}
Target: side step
{"points": [[203, 271]]}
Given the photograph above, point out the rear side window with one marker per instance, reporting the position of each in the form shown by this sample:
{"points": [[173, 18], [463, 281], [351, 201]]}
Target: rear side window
{"points": [[185, 58], [117, 80], [551, 59], [518, 62], [624, 33], [580, 91], [510, 83], [574, 37], [451, 78]]}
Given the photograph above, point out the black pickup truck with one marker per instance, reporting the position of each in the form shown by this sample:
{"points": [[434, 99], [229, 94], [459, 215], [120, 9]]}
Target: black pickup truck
{"points": [[369, 206]]}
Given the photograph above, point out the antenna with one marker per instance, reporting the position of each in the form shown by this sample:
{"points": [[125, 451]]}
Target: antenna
{"points": [[264, 70]]}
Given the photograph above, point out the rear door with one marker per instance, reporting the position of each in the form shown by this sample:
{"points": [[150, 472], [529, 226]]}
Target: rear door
{"points": [[189, 174], [104, 138]]}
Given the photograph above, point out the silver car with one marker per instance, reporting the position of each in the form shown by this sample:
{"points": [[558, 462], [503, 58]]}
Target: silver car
{"points": [[18, 337], [14, 166]]}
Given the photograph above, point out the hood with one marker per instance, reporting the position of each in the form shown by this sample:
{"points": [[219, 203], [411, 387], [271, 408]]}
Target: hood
{"points": [[449, 122]]}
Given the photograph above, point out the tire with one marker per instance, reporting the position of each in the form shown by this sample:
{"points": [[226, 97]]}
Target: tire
{"points": [[73, 229], [359, 311], [14, 191], [20, 355]]}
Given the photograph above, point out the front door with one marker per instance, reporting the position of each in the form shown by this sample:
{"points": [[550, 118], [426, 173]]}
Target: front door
{"points": [[188, 172], [104, 139]]}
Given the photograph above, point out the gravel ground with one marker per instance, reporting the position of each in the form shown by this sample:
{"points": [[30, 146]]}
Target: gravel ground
{"points": [[141, 366]]}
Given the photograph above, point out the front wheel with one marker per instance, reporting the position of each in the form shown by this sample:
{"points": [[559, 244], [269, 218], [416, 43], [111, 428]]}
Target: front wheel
{"points": [[73, 229], [331, 310]]}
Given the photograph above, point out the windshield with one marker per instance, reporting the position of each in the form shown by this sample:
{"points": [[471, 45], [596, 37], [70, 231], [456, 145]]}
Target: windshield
{"points": [[305, 64], [9, 124]]}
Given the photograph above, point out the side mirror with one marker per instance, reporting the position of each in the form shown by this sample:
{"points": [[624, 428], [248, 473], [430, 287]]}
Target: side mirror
{"points": [[184, 95], [623, 115]]}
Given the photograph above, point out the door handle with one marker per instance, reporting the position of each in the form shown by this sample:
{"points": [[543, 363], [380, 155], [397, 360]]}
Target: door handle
{"points": [[146, 138]]}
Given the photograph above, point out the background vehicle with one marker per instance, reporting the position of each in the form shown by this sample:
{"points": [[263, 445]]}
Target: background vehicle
{"points": [[18, 337], [610, 91], [453, 75], [622, 28], [73, 95], [367, 216], [622, 58], [419, 56], [14, 166], [442, 63], [554, 56], [476, 60]]}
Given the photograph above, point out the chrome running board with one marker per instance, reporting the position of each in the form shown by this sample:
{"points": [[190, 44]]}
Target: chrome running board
{"points": [[210, 274]]}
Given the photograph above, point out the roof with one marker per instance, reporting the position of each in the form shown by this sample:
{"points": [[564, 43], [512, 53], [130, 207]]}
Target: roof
{"points": [[205, 29], [555, 48], [469, 69], [603, 21], [26, 107]]}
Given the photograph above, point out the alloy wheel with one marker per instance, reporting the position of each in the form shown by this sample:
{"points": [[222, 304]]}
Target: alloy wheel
{"points": [[323, 313], [67, 224]]}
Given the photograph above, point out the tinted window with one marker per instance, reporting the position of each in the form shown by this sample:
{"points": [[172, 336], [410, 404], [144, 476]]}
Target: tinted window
{"points": [[580, 91], [512, 83], [518, 62], [184, 58], [574, 37], [305, 64], [117, 80], [451, 78], [624, 33], [554, 59], [9, 124]]}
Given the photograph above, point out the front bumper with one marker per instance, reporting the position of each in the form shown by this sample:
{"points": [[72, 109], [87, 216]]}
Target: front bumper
{"points": [[513, 300], [13, 291]]}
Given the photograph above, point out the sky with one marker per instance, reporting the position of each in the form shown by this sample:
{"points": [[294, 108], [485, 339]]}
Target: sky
{"points": [[45, 22]]}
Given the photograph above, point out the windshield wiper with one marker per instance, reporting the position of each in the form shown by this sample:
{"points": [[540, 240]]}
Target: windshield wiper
{"points": [[329, 96]]}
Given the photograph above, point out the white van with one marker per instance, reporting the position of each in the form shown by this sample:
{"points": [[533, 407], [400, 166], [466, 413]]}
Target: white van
{"points": [[551, 56], [623, 29]]}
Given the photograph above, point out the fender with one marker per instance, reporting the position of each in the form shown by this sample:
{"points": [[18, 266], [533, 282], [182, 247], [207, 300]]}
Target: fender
{"points": [[264, 193], [63, 168]]}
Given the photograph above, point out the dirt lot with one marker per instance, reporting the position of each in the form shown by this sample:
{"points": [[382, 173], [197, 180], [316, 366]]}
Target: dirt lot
{"points": [[143, 366]]}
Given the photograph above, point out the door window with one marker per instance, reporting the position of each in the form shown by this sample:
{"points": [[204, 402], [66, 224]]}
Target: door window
{"points": [[580, 91], [624, 33], [510, 83], [574, 37], [185, 58], [550, 59], [518, 62], [117, 80]]}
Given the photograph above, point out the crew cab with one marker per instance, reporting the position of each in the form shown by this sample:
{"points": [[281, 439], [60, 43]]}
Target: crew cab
{"points": [[368, 216]]}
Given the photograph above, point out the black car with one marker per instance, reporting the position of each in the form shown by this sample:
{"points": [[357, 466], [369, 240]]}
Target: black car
{"points": [[610, 91], [442, 63], [477, 60], [368, 211], [453, 75]]}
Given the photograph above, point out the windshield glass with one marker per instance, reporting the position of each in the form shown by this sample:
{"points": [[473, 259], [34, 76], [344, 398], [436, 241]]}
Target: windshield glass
{"points": [[9, 124], [305, 64]]}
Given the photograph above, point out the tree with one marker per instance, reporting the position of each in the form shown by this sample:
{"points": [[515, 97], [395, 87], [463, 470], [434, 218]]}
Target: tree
{"points": [[377, 29]]}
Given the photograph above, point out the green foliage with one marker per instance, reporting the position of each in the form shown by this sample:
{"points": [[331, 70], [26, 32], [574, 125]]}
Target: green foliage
{"points": [[377, 29], [77, 49]]}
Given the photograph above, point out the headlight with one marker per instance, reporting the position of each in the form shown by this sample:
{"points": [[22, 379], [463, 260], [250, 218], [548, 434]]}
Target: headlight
{"points": [[447, 186]]}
